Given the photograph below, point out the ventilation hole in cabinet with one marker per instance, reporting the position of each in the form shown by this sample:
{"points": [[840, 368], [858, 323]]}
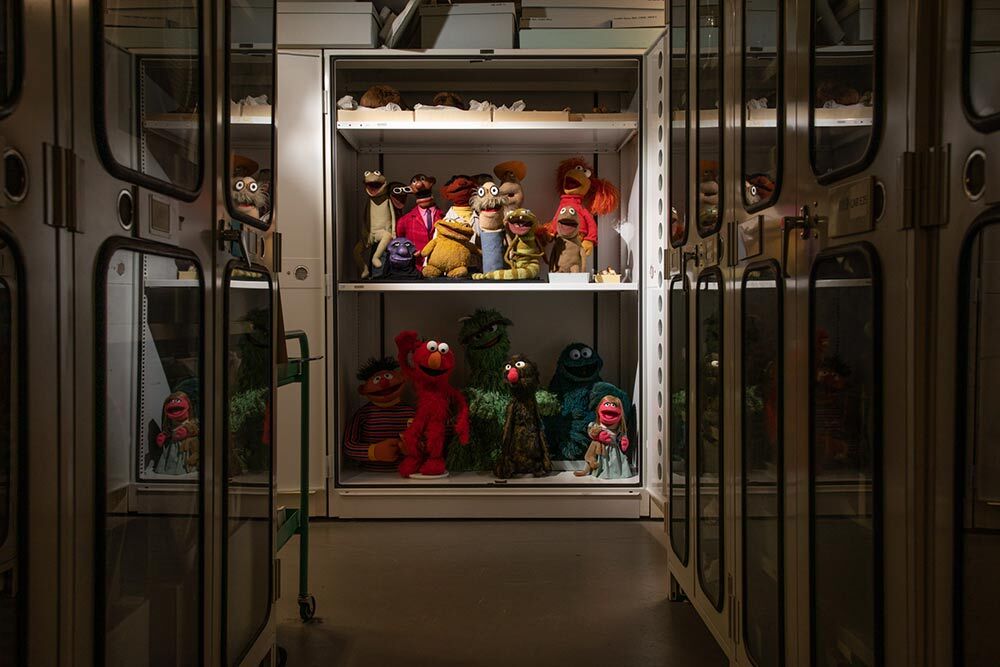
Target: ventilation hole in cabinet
{"points": [[659, 447], [659, 471], [659, 424], [659, 398], [659, 84], [659, 110], [659, 62], [660, 279], [659, 326], [659, 351], [660, 183], [660, 157], [659, 303], [659, 230], [659, 206], [659, 134]]}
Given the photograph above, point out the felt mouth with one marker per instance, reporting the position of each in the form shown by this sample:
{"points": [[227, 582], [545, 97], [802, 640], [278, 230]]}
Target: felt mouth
{"points": [[175, 411], [488, 344], [373, 189], [388, 391], [581, 371], [489, 210], [567, 227], [571, 182], [611, 415], [433, 372], [518, 228]]}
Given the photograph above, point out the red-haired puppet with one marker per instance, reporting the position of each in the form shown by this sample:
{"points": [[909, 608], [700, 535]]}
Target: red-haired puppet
{"points": [[585, 193], [429, 372]]}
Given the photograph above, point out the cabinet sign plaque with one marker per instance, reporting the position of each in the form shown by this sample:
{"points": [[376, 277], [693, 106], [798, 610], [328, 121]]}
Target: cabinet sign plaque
{"points": [[851, 207]]}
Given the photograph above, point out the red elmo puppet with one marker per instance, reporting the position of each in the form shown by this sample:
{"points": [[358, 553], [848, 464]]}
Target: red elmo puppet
{"points": [[429, 373]]}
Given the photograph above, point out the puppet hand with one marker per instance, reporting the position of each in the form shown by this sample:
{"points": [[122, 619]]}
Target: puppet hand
{"points": [[588, 248], [180, 433], [161, 439], [407, 341], [604, 437], [624, 443], [386, 450]]}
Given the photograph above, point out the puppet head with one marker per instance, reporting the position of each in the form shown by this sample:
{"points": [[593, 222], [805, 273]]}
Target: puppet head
{"points": [[248, 197], [177, 408], [422, 187], [521, 374], [375, 184], [511, 173], [398, 193], [458, 190], [610, 412], [568, 222], [575, 177], [446, 99], [487, 202], [579, 363], [402, 253], [382, 381], [486, 341], [521, 221], [456, 230], [380, 95], [433, 363]]}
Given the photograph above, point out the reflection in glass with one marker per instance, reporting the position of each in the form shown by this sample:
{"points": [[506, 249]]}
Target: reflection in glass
{"points": [[152, 90], [843, 85], [151, 437], [709, 78], [763, 622], [679, 408], [10, 50], [845, 442], [762, 116], [251, 100], [249, 360], [984, 58], [710, 499], [680, 112], [979, 537], [10, 544]]}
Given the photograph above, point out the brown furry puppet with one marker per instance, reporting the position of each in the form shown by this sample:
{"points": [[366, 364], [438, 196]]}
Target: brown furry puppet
{"points": [[453, 249], [523, 449], [248, 197], [446, 99], [585, 193], [567, 255], [380, 95], [379, 224], [511, 173]]}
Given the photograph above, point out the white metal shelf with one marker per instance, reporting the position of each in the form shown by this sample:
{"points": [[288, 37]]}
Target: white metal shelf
{"points": [[243, 129], [487, 137], [484, 479], [836, 117], [193, 282], [484, 286]]}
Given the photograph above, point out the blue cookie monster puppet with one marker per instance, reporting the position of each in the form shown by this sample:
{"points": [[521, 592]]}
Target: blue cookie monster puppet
{"points": [[577, 376]]}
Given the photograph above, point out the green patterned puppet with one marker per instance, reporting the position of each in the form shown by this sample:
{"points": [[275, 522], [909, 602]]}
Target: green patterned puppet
{"points": [[487, 346]]}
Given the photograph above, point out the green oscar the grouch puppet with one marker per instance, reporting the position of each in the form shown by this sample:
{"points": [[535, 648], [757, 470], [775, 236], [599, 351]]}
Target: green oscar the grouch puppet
{"points": [[487, 346]]}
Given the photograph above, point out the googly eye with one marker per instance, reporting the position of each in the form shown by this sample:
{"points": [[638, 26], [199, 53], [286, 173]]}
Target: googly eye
{"points": [[562, 211], [587, 172], [494, 191], [572, 211], [508, 367], [520, 364], [377, 379], [239, 185], [443, 348], [574, 355], [586, 353], [577, 168], [432, 346], [368, 173], [481, 192], [377, 173], [254, 187], [493, 327]]}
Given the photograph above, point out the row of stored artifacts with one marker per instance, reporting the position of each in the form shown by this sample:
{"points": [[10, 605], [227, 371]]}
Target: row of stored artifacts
{"points": [[503, 422], [486, 233]]}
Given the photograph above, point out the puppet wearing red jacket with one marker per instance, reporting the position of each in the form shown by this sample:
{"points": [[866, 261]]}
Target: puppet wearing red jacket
{"points": [[429, 373], [418, 224], [585, 193]]}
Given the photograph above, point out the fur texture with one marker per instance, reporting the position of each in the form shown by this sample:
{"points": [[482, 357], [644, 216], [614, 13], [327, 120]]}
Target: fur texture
{"points": [[587, 194], [523, 253], [523, 448]]}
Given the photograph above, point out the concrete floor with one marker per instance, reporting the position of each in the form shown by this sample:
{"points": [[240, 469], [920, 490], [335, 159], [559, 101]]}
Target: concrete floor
{"points": [[489, 593]]}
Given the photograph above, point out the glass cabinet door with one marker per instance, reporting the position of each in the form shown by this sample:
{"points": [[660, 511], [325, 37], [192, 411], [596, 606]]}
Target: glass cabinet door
{"points": [[763, 114], [250, 67], [679, 418], [711, 490], [710, 116], [680, 121], [763, 471], [845, 459], [11, 489], [978, 496], [982, 60], [149, 505], [11, 53], [248, 460]]}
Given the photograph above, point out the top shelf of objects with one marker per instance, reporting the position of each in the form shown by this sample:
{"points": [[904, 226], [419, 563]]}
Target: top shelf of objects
{"points": [[591, 136]]}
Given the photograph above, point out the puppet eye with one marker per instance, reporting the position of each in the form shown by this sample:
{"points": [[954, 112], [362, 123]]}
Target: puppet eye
{"points": [[432, 345], [520, 364], [508, 367], [608, 404], [376, 379], [254, 187], [239, 185], [494, 327], [481, 192], [377, 173], [586, 353], [562, 210], [572, 211], [443, 348], [587, 172], [574, 355], [494, 191], [368, 173], [578, 168]]}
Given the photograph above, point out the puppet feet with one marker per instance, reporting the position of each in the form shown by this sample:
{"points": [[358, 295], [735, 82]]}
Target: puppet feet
{"points": [[431, 271], [433, 467], [376, 262], [460, 272], [364, 272], [410, 465]]}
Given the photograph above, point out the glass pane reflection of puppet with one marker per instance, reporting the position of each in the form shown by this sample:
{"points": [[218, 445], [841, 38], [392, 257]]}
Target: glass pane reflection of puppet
{"points": [[372, 437]]}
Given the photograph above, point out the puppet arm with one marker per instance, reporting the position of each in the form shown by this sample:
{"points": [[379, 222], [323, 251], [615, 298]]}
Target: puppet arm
{"points": [[548, 403], [426, 252], [406, 342]]}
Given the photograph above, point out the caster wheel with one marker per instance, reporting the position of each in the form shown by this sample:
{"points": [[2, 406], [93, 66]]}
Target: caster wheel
{"points": [[307, 607]]}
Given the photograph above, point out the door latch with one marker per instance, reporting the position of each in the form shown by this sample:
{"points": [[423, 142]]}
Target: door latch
{"points": [[806, 223], [233, 235]]}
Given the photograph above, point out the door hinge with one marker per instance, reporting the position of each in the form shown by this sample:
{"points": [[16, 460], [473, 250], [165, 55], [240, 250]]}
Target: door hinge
{"points": [[326, 102], [61, 169], [277, 579], [276, 253], [925, 176]]}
